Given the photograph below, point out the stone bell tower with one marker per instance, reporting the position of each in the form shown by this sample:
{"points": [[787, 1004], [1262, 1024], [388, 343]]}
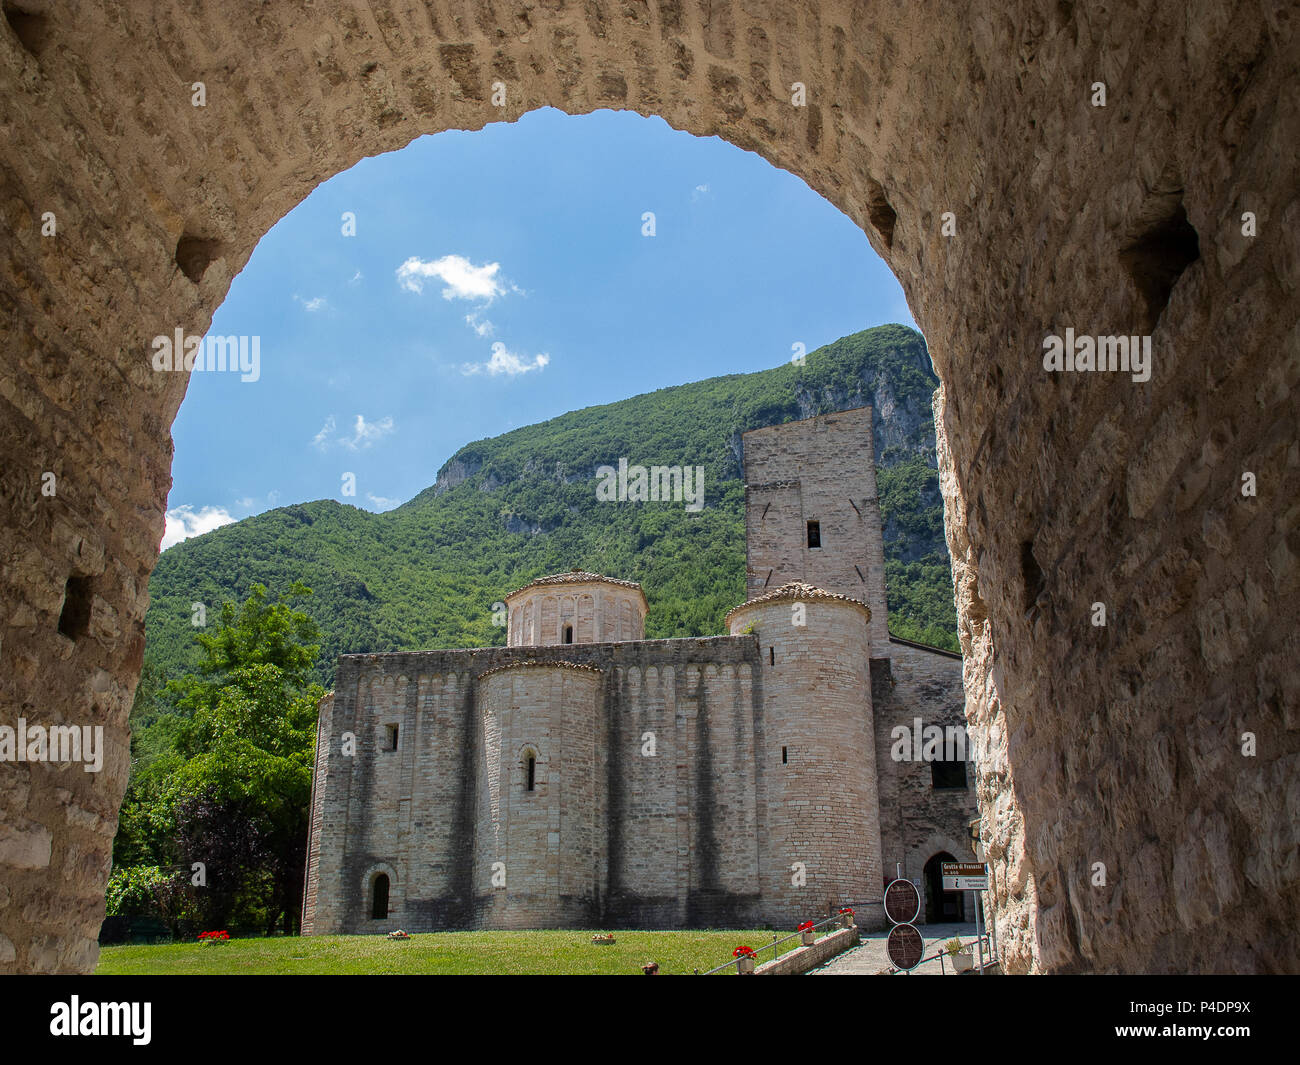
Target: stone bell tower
{"points": [[812, 513]]}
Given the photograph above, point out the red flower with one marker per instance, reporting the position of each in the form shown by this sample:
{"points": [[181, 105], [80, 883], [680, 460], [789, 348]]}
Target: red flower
{"points": [[847, 910], [742, 952], [807, 926]]}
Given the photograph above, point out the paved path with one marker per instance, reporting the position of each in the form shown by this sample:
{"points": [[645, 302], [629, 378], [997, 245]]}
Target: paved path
{"points": [[870, 958]]}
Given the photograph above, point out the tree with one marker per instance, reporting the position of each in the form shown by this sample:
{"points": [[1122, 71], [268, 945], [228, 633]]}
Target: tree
{"points": [[238, 797]]}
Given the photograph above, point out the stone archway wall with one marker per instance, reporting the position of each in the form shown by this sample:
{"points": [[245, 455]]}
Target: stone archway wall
{"points": [[1116, 745]]}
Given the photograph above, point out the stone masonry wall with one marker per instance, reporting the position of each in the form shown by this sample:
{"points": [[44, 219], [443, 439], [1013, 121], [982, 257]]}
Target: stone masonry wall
{"points": [[377, 808], [550, 841], [1010, 205], [821, 840], [916, 820], [660, 836], [820, 469], [597, 613]]}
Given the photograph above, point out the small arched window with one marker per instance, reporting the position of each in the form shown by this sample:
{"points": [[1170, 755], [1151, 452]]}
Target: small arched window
{"points": [[530, 770], [568, 634], [379, 901]]}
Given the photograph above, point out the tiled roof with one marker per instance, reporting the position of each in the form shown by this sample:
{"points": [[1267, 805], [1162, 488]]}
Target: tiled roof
{"points": [[577, 576], [798, 590]]}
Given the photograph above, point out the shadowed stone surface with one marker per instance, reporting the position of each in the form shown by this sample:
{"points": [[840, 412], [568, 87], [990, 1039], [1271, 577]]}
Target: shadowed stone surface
{"points": [[1119, 745]]}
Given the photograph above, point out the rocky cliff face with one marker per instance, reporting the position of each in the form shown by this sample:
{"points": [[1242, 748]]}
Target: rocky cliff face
{"points": [[456, 471], [902, 425]]}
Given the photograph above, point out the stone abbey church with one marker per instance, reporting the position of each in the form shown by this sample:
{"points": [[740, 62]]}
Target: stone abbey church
{"points": [[585, 776]]}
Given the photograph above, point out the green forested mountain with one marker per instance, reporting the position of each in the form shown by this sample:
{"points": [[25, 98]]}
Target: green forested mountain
{"points": [[517, 506]]}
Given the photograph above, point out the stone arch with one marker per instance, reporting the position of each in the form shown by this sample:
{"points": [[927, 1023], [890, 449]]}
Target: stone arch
{"points": [[914, 860], [1064, 215], [940, 906], [531, 751], [372, 888]]}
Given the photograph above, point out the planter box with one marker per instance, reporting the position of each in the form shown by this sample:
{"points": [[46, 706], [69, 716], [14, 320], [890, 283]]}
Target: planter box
{"points": [[808, 938], [745, 966], [963, 962]]}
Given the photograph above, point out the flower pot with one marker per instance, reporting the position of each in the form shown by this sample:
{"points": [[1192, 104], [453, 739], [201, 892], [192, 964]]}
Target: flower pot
{"points": [[846, 920], [745, 965], [963, 962], [809, 937]]}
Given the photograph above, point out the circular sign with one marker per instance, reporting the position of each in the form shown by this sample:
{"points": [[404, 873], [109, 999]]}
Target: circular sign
{"points": [[902, 902], [905, 946]]}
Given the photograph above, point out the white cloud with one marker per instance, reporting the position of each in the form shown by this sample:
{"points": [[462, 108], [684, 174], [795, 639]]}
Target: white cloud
{"points": [[382, 502], [246, 502], [317, 303], [463, 280], [273, 496], [699, 193], [366, 433], [356, 278], [483, 327], [322, 438], [505, 362], [183, 522]]}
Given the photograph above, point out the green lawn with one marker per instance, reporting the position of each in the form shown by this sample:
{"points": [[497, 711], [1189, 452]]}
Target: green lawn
{"points": [[543, 952]]}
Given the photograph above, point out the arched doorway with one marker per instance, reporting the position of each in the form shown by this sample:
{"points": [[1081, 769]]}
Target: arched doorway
{"points": [[379, 897], [942, 907]]}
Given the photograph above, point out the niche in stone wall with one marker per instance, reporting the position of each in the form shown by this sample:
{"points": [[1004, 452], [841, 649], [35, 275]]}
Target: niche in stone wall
{"points": [[1163, 245], [78, 596]]}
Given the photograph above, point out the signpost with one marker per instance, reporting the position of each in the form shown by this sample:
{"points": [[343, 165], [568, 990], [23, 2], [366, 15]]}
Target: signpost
{"points": [[905, 946], [972, 877], [902, 902], [902, 906], [965, 876]]}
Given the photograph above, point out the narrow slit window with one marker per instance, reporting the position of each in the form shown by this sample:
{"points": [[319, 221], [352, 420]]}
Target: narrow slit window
{"points": [[532, 772], [771, 654], [391, 737], [785, 757], [814, 534], [568, 634]]}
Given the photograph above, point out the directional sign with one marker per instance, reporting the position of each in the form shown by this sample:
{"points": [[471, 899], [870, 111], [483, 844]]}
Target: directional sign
{"points": [[965, 876], [902, 902], [905, 945]]}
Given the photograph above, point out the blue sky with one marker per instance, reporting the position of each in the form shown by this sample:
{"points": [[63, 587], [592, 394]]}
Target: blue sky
{"points": [[499, 278]]}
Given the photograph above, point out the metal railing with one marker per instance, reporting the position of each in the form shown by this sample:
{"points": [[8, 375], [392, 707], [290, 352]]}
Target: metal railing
{"points": [[989, 959], [774, 946]]}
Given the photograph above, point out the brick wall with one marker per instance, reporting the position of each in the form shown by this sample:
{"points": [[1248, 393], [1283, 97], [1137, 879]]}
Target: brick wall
{"points": [[803, 959]]}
